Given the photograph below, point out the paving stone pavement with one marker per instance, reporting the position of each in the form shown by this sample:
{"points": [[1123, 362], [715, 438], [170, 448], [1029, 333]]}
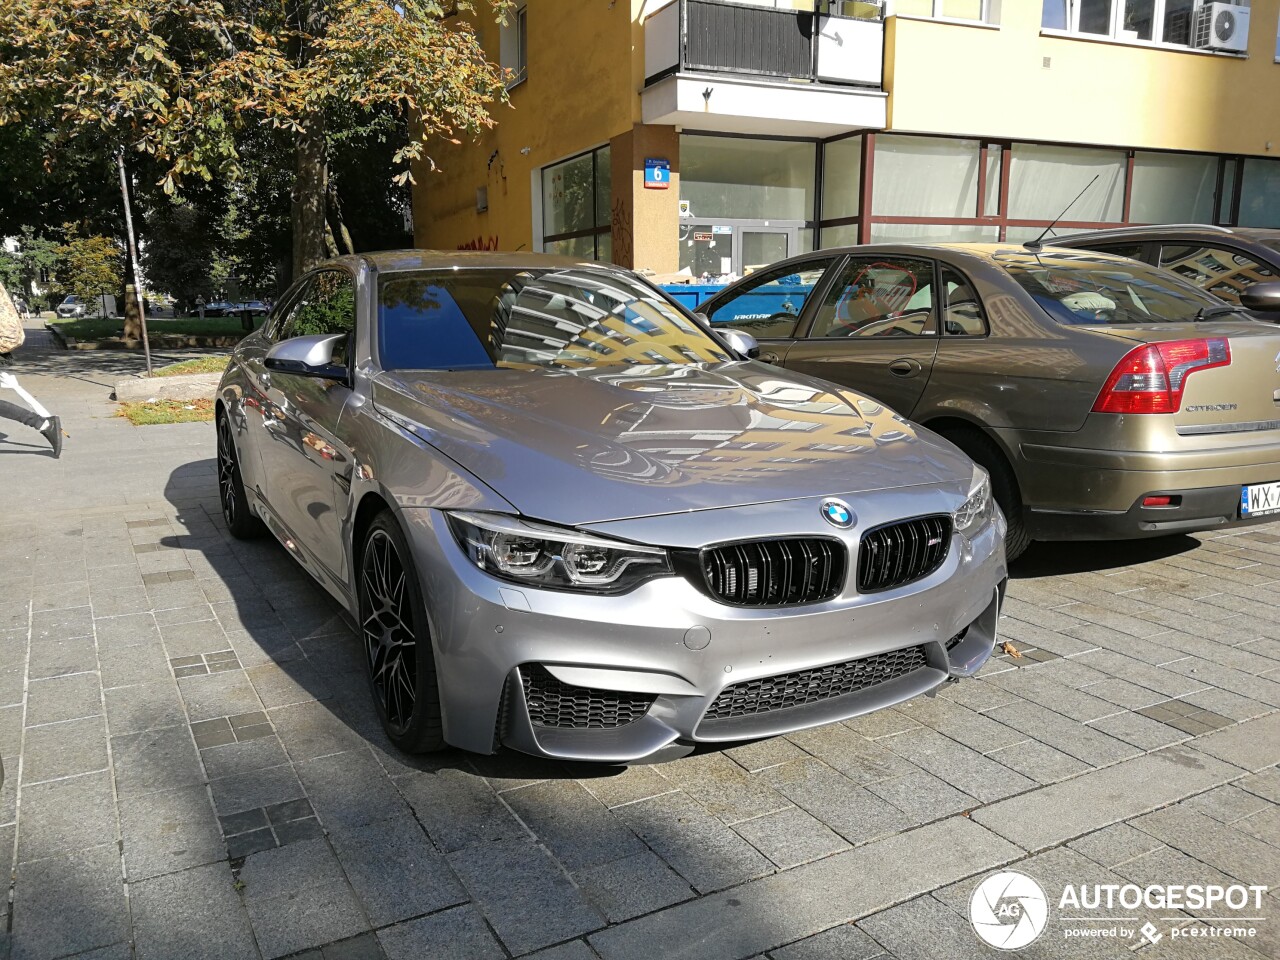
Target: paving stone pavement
{"points": [[194, 769]]}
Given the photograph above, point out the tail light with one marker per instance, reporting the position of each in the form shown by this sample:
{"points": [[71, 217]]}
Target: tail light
{"points": [[1151, 378]]}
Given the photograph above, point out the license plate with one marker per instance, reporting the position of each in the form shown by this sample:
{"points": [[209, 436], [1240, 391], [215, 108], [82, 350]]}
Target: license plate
{"points": [[1259, 499]]}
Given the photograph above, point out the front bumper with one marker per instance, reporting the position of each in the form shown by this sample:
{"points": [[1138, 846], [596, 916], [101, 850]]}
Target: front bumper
{"points": [[669, 642]]}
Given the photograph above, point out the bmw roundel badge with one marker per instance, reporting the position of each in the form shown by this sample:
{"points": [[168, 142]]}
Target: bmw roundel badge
{"points": [[837, 513]]}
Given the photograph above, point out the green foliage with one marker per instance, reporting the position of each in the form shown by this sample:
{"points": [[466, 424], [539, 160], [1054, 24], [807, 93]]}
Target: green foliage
{"points": [[329, 307], [89, 266]]}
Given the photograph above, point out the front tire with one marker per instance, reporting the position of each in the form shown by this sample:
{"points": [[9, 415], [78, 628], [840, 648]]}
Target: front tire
{"points": [[1004, 486], [397, 640], [235, 505]]}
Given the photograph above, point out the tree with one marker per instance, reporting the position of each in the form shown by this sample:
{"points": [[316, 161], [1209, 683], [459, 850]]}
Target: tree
{"points": [[177, 80], [89, 266]]}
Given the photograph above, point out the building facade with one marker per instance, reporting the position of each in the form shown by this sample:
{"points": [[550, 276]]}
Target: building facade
{"points": [[716, 136]]}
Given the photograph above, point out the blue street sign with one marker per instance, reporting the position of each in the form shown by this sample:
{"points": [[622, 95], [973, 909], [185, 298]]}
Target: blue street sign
{"points": [[657, 173]]}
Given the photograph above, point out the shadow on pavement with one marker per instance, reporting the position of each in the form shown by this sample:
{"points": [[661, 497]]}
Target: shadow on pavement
{"points": [[1053, 559]]}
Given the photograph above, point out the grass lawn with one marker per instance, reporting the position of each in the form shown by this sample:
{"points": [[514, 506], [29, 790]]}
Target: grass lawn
{"points": [[145, 413], [96, 329], [214, 364]]}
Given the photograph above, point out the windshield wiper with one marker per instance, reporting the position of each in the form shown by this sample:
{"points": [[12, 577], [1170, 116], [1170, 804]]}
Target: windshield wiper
{"points": [[1224, 310]]}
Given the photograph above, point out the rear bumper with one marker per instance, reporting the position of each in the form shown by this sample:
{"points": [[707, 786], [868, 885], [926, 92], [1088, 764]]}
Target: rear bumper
{"points": [[1205, 508]]}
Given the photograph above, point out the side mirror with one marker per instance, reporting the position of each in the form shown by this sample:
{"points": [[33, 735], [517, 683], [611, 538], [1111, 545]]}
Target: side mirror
{"points": [[702, 316], [1263, 297], [743, 344], [307, 357]]}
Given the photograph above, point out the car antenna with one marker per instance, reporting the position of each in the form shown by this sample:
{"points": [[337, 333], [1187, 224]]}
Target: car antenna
{"points": [[1035, 245]]}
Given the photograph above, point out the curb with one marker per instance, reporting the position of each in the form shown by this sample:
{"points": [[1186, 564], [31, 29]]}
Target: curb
{"points": [[187, 386]]}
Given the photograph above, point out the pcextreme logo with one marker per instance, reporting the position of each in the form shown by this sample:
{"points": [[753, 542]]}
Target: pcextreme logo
{"points": [[1009, 910]]}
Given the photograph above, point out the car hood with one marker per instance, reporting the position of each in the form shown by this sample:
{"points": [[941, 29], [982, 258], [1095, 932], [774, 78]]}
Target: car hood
{"points": [[615, 443]]}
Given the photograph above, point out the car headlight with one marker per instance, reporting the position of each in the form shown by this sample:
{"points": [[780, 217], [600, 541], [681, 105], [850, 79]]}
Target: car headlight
{"points": [[979, 507], [540, 555]]}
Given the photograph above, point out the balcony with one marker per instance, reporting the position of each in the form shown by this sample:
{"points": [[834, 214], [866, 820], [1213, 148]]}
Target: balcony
{"points": [[746, 68]]}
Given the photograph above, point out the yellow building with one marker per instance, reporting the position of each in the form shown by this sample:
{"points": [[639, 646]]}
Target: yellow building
{"points": [[720, 135]]}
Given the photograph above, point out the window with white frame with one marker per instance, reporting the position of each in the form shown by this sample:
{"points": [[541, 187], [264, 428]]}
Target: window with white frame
{"points": [[1152, 21], [977, 11], [513, 52]]}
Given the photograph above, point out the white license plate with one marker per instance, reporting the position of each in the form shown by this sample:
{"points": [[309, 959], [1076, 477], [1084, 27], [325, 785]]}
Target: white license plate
{"points": [[1259, 499]]}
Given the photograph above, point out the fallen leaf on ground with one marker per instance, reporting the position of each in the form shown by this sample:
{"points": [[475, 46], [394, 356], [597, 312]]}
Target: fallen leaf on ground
{"points": [[1011, 650]]}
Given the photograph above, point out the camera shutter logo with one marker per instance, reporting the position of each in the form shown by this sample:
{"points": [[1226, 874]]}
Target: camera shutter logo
{"points": [[1008, 910]]}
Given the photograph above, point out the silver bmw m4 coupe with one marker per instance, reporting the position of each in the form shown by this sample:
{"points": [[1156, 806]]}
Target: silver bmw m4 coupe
{"points": [[568, 518]]}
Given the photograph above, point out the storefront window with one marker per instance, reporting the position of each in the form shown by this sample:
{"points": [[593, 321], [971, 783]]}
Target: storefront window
{"points": [[925, 177], [841, 178], [737, 178], [845, 236], [575, 206], [933, 233], [1172, 188], [1043, 180], [1260, 194], [991, 206]]}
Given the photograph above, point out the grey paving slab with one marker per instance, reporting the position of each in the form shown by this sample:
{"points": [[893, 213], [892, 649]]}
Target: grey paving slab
{"points": [[635, 885], [1115, 844], [155, 760], [854, 812], [259, 788], [1253, 745], [1232, 851], [701, 848], [144, 706], [195, 914], [845, 942], [524, 895], [64, 749], [395, 871], [962, 767], [578, 830], [458, 809], [791, 837], [350, 789], [218, 695], [297, 898], [55, 655], [777, 910], [69, 904], [462, 928], [168, 831], [1054, 814], [63, 698], [723, 789], [922, 796]]}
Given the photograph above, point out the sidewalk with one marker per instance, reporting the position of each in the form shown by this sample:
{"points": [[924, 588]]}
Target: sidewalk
{"points": [[194, 770]]}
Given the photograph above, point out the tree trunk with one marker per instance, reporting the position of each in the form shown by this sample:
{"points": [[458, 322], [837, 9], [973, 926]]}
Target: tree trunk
{"points": [[310, 187], [336, 221]]}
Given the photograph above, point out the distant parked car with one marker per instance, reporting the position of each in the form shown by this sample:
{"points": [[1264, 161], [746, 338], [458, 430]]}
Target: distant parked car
{"points": [[219, 308], [70, 308], [1107, 398], [570, 519], [255, 307], [1226, 261]]}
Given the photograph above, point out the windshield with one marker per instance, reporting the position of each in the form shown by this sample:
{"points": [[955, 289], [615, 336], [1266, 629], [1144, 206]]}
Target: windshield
{"points": [[559, 318], [1081, 289]]}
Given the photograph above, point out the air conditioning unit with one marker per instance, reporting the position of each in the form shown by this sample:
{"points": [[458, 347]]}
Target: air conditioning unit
{"points": [[1221, 26]]}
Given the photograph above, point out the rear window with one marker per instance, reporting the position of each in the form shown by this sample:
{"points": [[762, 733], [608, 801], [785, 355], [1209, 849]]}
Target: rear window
{"points": [[561, 318], [1086, 290]]}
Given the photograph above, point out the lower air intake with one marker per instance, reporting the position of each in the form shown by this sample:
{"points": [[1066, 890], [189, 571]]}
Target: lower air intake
{"points": [[555, 704]]}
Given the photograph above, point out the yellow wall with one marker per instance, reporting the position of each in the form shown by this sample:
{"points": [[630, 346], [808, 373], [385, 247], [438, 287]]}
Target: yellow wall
{"points": [[949, 78], [579, 94]]}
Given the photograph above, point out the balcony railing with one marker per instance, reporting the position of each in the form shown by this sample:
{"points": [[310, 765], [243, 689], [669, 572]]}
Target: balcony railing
{"points": [[719, 36]]}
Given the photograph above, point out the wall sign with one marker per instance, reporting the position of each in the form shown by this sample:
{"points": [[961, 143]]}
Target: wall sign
{"points": [[657, 173]]}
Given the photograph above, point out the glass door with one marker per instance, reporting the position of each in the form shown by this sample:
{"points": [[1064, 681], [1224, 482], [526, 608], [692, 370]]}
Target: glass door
{"points": [[758, 247]]}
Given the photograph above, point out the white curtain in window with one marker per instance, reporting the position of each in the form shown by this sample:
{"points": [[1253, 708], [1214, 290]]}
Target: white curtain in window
{"points": [[1172, 188], [925, 177], [1260, 194], [1044, 179], [841, 178]]}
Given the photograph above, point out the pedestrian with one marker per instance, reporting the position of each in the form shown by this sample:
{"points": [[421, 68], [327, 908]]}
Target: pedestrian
{"points": [[37, 418]]}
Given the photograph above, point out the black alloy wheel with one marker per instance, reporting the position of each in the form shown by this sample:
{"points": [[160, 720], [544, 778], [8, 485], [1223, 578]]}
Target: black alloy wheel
{"points": [[397, 641], [235, 505]]}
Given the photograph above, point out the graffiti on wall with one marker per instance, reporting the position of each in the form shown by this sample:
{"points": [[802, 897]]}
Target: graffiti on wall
{"points": [[480, 243], [621, 223]]}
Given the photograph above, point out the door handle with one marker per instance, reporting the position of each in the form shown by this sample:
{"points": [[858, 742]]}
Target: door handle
{"points": [[768, 356], [905, 368]]}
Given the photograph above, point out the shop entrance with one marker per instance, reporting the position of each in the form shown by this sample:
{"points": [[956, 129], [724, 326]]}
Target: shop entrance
{"points": [[721, 250]]}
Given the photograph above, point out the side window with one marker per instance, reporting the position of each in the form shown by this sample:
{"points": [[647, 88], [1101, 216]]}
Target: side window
{"points": [[284, 312], [1133, 251], [889, 297], [328, 305], [770, 306], [963, 316], [1222, 271]]}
